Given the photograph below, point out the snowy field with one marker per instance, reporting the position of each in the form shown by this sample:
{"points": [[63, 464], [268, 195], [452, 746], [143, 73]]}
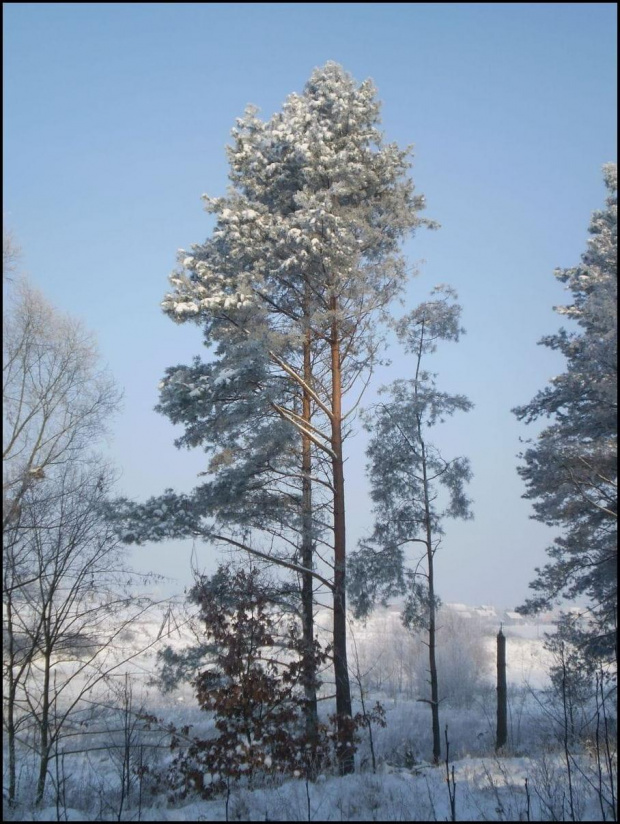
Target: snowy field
{"points": [[527, 780]]}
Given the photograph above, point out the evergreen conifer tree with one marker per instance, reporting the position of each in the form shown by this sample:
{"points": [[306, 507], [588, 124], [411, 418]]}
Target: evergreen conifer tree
{"points": [[570, 469], [413, 487], [291, 288]]}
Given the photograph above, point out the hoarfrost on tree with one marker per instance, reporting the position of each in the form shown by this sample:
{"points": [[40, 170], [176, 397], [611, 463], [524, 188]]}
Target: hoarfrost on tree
{"points": [[570, 469]]}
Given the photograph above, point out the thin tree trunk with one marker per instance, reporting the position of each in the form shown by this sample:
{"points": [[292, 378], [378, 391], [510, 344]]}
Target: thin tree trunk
{"points": [[432, 629], [307, 561], [11, 741], [346, 761], [44, 729], [433, 669], [567, 756], [11, 703], [432, 640]]}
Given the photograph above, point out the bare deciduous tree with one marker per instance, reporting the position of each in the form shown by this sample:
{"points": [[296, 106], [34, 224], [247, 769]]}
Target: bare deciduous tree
{"points": [[56, 398], [67, 603], [10, 255], [67, 593]]}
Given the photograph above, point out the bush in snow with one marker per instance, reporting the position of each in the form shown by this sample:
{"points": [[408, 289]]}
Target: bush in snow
{"points": [[256, 697]]}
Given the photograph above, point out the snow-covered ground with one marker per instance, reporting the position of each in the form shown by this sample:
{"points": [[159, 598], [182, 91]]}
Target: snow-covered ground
{"points": [[528, 780], [487, 789]]}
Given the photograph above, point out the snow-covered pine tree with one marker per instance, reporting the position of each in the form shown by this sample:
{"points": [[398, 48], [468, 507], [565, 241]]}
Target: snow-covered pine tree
{"points": [[407, 474], [300, 269], [570, 469], [258, 487]]}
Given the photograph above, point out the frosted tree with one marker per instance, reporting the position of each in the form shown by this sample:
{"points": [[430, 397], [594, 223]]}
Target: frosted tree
{"points": [[55, 402], [258, 482], [67, 592], [10, 256], [300, 269], [570, 469], [68, 596], [55, 396], [414, 488]]}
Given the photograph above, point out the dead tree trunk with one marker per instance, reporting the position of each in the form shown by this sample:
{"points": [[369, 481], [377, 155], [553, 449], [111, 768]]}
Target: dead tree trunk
{"points": [[502, 692]]}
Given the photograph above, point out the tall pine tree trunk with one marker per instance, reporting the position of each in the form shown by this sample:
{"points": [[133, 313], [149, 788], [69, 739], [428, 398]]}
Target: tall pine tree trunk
{"points": [[307, 561], [346, 762]]}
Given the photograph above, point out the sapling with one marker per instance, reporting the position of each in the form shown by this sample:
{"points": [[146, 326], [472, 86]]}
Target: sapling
{"points": [[407, 474]]}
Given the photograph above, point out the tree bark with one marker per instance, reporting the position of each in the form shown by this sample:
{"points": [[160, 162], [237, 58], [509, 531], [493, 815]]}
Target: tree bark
{"points": [[346, 763], [307, 561]]}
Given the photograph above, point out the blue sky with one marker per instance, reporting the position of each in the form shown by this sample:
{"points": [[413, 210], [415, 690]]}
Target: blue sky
{"points": [[115, 121]]}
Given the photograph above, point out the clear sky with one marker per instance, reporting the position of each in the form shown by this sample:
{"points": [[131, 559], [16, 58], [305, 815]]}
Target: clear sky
{"points": [[115, 121]]}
